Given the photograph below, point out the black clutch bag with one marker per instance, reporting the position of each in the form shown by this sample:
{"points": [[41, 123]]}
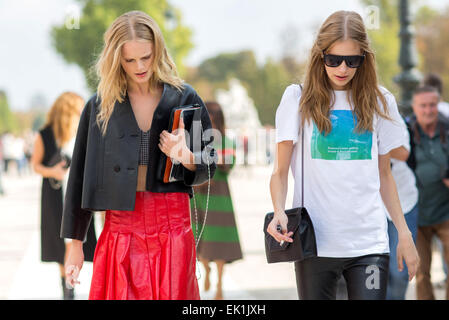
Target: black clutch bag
{"points": [[58, 157], [167, 170], [54, 160], [304, 241]]}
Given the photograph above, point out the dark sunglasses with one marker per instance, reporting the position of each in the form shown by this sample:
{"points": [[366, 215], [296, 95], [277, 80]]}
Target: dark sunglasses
{"points": [[332, 60]]}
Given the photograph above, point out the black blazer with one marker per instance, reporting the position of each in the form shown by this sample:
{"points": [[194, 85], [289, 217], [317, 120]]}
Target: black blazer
{"points": [[103, 171]]}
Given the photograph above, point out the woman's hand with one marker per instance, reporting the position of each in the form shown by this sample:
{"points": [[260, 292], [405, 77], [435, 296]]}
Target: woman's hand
{"points": [[280, 219], [407, 251], [446, 182], [58, 170], [174, 144], [74, 263]]}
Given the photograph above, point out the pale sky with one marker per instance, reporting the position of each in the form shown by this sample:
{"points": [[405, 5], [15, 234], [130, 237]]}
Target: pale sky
{"points": [[29, 65]]}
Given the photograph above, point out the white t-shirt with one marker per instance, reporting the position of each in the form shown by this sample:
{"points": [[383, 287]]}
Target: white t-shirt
{"points": [[405, 180], [341, 174], [443, 107], [67, 149]]}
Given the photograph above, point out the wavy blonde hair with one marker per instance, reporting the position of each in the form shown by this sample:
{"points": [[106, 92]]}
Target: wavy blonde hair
{"points": [[133, 25], [63, 115], [318, 96]]}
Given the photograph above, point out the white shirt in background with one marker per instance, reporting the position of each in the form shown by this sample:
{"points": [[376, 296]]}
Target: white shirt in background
{"points": [[443, 107], [405, 181]]}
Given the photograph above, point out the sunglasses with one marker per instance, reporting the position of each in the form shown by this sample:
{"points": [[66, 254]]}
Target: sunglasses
{"points": [[333, 61]]}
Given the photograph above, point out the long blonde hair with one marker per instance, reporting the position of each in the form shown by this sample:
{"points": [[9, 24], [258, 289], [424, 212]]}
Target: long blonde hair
{"points": [[317, 95], [133, 25], [63, 115]]}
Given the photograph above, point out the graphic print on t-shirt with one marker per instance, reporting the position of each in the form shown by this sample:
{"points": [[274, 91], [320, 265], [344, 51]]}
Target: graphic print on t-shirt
{"points": [[343, 142]]}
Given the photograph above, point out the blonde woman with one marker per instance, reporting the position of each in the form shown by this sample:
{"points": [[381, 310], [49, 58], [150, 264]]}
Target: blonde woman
{"points": [[350, 124], [56, 138], [146, 249]]}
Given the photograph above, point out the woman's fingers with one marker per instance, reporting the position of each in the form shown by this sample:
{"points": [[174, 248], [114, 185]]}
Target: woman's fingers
{"points": [[279, 236], [71, 276], [399, 261], [413, 267], [272, 230], [168, 138], [407, 251], [412, 272]]}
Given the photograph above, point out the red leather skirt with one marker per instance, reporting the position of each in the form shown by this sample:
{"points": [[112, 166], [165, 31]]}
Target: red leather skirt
{"points": [[148, 253]]}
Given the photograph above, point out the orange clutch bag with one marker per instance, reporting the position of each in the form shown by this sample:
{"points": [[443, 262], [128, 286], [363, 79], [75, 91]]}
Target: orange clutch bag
{"points": [[167, 170]]}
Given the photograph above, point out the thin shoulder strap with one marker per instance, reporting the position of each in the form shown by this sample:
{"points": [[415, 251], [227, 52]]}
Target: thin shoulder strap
{"points": [[302, 160]]}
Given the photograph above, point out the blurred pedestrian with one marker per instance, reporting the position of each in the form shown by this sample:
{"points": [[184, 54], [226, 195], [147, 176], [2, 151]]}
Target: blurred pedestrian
{"points": [[55, 138], [29, 138], [430, 158], [2, 191], [219, 241], [146, 249], [348, 125], [8, 150], [434, 80], [18, 153], [269, 138]]}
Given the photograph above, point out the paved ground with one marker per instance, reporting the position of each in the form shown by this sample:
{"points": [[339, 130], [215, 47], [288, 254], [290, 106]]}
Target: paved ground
{"points": [[23, 276]]}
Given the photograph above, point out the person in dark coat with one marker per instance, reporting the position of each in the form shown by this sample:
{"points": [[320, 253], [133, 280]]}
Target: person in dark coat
{"points": [[55, 140]]}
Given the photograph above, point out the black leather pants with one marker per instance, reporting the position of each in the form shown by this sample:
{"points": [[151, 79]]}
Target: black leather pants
{"points": [[366, 277]]}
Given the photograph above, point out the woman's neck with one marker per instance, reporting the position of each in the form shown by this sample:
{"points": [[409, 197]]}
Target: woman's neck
{"points": [[138, 88]]}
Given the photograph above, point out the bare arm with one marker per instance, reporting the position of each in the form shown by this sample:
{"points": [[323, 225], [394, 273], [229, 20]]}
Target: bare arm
{"points": [[446, 182], [279, 177], [278, 190], [56, 171], [390, 195], [400, 153], [406, 249]]}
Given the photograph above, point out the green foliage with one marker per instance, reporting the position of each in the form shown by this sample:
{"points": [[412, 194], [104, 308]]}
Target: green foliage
{"points": [[267, 90], [7, 120], [432, 29], [265, 84], [431, 34], [385, 42], [220, 69], [82, 46]]}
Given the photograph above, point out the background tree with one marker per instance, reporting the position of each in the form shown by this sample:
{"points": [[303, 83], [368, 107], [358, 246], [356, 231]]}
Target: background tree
{"points": [[432, 34], [385, 42], [7, 120], [265, 84], [82, 45], [431, 39], [268, 89]]}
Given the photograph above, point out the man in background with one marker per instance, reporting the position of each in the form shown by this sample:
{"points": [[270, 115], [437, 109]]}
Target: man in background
{"points": [[429, 157]]}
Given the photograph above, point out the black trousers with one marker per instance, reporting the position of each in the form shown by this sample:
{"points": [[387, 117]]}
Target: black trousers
{"points": [[366, 277]]}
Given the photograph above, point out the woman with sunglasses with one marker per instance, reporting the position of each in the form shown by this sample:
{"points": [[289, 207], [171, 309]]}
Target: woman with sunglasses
{"points": [[350, 124]]}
